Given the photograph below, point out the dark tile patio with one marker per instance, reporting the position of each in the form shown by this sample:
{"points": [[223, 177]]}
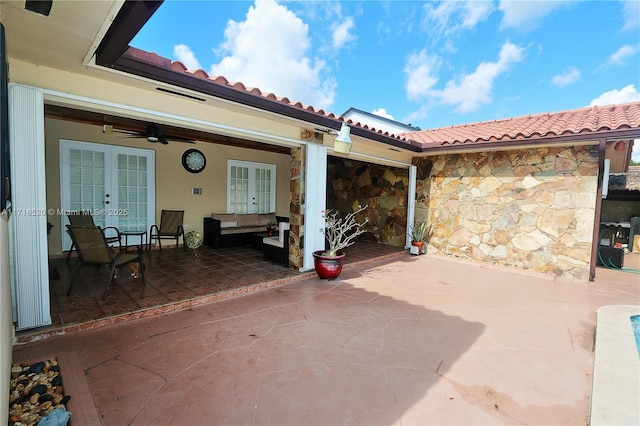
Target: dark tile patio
{"points": [[174, 281]]}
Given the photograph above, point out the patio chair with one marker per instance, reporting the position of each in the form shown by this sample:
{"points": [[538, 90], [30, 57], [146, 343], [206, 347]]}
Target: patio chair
{"points": [[93, 249], [170, 228], [85, 219], [276, 248]]}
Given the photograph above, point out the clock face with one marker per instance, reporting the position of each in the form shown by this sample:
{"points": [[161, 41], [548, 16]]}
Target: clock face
{"points": [[193, 161]]}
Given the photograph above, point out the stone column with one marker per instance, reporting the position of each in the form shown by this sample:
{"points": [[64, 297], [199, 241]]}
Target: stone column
{"points": [[296, 207]]}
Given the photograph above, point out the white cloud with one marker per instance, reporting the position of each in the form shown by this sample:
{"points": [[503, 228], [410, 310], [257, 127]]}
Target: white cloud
{"points": [[342, 33], [631, 15], [621, 54], [269, 50], [624, 95], [635, 154], [183, 53], [475, 12], [568, 77], [381, 112], [452, 16], [421, 70], [525, 15], [469, 91]]}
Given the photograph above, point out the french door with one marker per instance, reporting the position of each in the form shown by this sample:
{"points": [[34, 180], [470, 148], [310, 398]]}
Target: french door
{"points": [[115, 184], [251, 187]]}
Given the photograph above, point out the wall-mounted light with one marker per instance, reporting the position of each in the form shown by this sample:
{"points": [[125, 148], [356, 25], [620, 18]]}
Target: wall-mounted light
{"points": [[342, 142], [620, 146]]}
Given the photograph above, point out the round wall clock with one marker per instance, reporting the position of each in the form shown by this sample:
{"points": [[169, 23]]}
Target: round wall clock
{"points": [[193, 161]]}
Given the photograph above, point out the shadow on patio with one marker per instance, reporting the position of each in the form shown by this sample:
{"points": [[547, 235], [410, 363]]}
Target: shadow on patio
{"points": [[310, 352], [411, 340]]}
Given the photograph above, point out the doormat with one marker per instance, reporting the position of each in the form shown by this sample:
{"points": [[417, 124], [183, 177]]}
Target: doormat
{"points": [[36, 391]]}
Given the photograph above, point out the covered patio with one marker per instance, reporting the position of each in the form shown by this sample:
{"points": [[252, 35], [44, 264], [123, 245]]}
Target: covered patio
{"points": [[407, 340], [175, 280]]}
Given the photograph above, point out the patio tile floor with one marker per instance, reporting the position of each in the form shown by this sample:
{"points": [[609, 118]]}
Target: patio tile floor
{"points": [[405, 340], [173, 281]]}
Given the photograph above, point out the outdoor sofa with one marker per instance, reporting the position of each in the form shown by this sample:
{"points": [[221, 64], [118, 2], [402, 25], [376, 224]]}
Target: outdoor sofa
{"points": [[231, 229]]}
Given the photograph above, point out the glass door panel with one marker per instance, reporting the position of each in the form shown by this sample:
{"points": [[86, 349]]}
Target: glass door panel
{"points": [[250, 187], [115, 184]]}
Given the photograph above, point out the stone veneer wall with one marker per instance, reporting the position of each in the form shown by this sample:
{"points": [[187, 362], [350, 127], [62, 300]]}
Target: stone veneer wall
{"points": [[529, 209], [296, 207], [384, 189]]}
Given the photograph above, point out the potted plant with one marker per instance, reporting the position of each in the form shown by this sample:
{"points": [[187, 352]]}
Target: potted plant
{"points": [[339, 233], [271, 227], [420, 234]]}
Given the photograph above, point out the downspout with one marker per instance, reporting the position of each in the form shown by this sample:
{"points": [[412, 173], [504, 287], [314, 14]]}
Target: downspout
{"points": [[411, 203], [595, 242]]}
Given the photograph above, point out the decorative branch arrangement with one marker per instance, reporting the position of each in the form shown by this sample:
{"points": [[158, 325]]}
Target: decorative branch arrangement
{"points": [[342, 232]]}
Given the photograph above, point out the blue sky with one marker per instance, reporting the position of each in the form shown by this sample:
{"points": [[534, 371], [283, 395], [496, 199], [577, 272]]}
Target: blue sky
{"points": [[429, 64]]}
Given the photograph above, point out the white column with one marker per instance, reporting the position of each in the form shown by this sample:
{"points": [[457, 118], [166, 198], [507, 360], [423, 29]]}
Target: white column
{"points": [[315, 202], [411, 203], [28, 220]]}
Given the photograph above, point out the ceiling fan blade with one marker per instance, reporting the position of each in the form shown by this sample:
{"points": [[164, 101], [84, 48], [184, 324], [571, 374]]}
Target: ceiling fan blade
{"points": [[131, 136], [122, 133], [154, 134], [180, 139]]}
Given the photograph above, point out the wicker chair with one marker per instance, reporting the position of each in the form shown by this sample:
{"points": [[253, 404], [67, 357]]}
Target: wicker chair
{"points": [[93, 249], [170, 228], [276, 249]]}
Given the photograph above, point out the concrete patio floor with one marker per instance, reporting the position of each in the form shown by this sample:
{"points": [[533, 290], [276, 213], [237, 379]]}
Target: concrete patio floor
{"points": [[414, 340]]}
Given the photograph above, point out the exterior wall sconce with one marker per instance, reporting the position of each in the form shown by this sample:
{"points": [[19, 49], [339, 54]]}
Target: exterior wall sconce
{"points": [[342, 142], [620, 146]]}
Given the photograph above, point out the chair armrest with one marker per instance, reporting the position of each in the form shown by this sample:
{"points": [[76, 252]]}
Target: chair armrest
{"points": [[117, 231]]}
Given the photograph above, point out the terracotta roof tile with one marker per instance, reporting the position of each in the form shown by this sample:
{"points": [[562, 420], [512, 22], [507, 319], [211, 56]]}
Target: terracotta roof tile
{"points": [[179, 67], [530, 127], [525, 128]]}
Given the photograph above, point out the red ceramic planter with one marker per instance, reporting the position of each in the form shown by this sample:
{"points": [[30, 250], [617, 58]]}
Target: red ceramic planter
{"points": [[328, 268]]}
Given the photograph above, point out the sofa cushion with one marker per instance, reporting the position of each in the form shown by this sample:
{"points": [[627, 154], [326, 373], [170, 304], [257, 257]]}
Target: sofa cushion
{"points": [[273, 241], [242, 230], [265, 218], [249, 219], [227, 220]]}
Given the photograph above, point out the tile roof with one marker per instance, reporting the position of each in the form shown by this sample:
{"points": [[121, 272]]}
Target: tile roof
{"points": [[179, 67], [538, 126], [519, 129]]}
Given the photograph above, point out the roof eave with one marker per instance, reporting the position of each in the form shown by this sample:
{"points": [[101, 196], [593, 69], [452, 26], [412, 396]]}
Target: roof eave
{"points": [[591, 138], [133, 65], [131, 17]]}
